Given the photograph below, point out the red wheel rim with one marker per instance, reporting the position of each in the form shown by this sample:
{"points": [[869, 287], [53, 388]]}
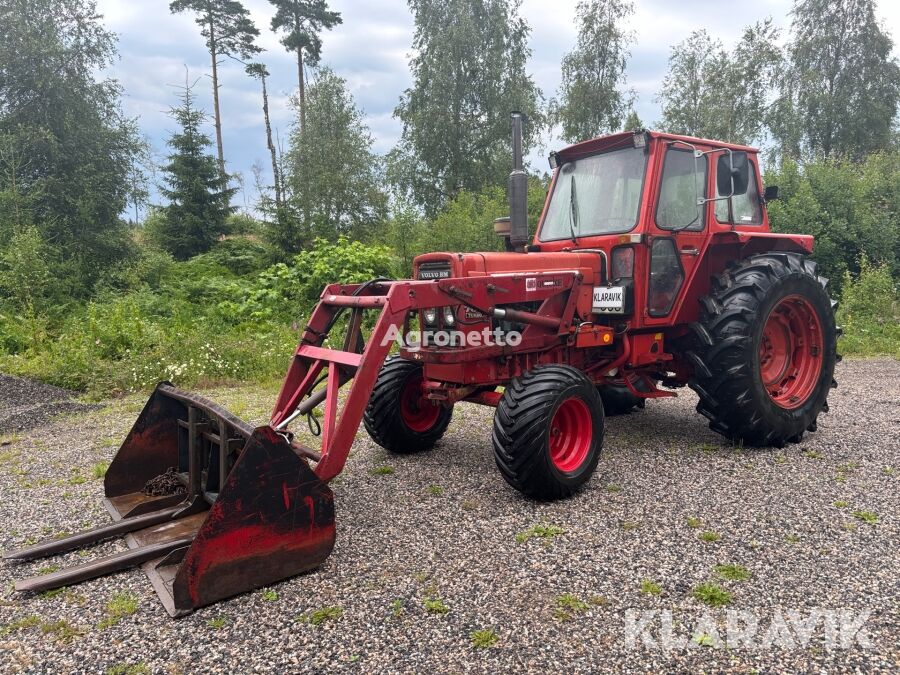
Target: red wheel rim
{"points": [[790, 352], [418, 413], [571, 433]]}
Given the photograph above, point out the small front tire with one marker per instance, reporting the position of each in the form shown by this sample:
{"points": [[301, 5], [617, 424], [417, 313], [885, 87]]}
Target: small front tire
{"points": [[548, 432], [398, 417]]}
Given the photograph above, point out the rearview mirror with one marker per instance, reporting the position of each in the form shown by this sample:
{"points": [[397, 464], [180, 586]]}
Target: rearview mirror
{"points": [[771, 193], [733, 173]]}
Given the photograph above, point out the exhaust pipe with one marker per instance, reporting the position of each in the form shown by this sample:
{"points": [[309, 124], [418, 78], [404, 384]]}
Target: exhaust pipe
{"points": [[518, 190]]}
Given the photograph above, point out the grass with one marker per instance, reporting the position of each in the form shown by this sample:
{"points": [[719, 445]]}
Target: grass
{"points": [[217, 624], [866, 516], [694, 523], [733, 572], [29, 621], [612, 487], [397, 608], [888, 470], [792, 538], [483, 639], [76, 478], [712, 594], [709, 536], [383, 470], [435, 490], [841, 504], [139, 668], [317, 617], [435, 606], [629, 525], [813, 454], [546, 532], [62, 630], [99, 469], [270, 595], [649, 587], [468, 505], [568, 606], [119, 606]]}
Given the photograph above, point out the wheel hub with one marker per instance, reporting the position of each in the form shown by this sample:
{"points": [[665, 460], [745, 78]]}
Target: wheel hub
{"points": [[571, 433], [790, 352], [418, 413]]}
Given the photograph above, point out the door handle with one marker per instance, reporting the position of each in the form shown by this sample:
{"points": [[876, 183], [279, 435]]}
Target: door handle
{"points": [[690, 250]]}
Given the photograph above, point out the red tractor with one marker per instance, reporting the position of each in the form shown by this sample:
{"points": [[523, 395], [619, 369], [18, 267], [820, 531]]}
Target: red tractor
{"points": [[652, 264]]}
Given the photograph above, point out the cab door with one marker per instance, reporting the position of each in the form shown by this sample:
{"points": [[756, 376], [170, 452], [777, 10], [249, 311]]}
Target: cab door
{"points": [[678, 230]]}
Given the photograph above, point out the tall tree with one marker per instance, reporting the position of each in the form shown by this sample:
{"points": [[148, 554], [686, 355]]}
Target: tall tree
{"points": [[469, 72], [228, 30], [841, 87], [713, 93], [332, 178], [592, 100], [198, 199], [302, 21], [66, 149], [260, 72]]}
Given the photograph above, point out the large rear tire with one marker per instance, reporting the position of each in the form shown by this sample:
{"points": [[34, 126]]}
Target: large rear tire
{"points": [[766, 347], [398, 417], [548, 432]]}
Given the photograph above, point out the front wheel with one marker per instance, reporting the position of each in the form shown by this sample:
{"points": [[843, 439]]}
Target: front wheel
{"points": [[768, 347], [548, 432], [398, 417]]}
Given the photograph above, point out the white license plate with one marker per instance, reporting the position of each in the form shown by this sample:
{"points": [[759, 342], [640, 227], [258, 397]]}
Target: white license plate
{"points": [[609, 298]]}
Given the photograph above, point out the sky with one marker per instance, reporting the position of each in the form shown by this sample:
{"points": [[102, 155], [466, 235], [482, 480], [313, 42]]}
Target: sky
{"points": [[371, 49]]}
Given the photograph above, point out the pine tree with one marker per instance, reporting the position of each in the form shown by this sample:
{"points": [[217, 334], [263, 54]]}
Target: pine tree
{"points": [[198, 199], [228, 30], [632, 122], [592, 100], [301, 21]]}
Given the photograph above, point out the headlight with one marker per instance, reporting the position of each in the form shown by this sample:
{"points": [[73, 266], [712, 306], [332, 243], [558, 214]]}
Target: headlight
{"points": [[449, 316], [430, 316]]}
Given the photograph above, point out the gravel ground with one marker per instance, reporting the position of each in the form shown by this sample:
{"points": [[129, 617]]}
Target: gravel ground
{"points": [[25, 404], [444, 525]]}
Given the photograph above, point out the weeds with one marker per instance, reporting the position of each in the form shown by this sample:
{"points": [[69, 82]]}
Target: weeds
{"points": [[649, 587], [712, 594], [546, 532], [568, 606], [270, 595], [483, 639], [709, 536], [139, 668], [99, 469], [841, 504], [383, 470], [435, 606], [217, 624], [866, 517], [317, 617], [694, 523], [733, 572], [119, 606], [435, 490]]}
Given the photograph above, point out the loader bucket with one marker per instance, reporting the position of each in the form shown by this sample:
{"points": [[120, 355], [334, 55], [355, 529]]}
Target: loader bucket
{"points": [[209, 507]]}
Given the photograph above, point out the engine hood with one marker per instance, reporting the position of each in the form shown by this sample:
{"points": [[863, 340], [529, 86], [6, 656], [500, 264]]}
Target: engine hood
{"points": [[432, 266]]}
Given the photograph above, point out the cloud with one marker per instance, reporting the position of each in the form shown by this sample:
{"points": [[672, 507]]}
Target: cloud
{"points": [[371, 48]]}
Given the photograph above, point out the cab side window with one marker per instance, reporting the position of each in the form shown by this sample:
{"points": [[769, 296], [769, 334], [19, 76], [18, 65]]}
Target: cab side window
{"points": [[746, 207], [683, 181]]}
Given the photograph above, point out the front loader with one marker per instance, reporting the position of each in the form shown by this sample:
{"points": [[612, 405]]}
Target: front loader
{"points": [[652, 267]]}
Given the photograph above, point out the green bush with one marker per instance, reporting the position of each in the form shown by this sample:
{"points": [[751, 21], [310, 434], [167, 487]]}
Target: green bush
{"points": [[870, 312]]}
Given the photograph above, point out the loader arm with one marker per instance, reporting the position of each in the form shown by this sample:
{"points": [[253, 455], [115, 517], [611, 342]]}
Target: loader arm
{"points": [[210, 507]]}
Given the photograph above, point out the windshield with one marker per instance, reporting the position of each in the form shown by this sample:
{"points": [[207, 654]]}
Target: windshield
{"points": [[599, 194]]}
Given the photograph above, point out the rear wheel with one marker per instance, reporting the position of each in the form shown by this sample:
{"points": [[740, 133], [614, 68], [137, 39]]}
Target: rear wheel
{"points": [[767, 347], [548, 432], [398, 417]]}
